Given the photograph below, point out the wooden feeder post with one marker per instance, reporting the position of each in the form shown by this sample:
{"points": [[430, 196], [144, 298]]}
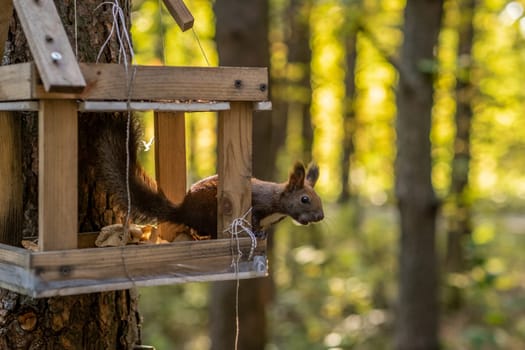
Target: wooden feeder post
{"points": [[234, 165], [57, 175], [170, 159]]}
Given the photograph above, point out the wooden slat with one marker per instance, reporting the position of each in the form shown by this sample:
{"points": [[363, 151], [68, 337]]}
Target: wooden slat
{"points": [[234, 164], [5, 18], [170, 160], [78, 271], [25, 106], [108, 82], [138, 255], [50, 46], [180, 13], [16, 81], [14, 255], [44, 289], [17, 279], [115, 106], [57, 185]]}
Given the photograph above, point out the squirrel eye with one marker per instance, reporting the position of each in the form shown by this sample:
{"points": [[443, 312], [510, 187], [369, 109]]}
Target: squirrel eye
{"points": [[305, 199]]}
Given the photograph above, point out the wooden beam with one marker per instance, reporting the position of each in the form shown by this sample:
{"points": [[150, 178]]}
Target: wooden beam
{"points": [[117, 106], [79, 271], [180, 13], [5, 18], [14, 255], [170, 160], [234, 164], [17, 81], [151, 83], [22, 106], [57, 177], [50, 46]]}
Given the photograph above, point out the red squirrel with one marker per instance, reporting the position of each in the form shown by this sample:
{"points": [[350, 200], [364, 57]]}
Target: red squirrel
{"points": [[271, 201]]}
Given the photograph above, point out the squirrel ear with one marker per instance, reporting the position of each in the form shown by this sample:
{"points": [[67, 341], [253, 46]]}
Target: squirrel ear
{"points": [[296, 179], [312, 174]]}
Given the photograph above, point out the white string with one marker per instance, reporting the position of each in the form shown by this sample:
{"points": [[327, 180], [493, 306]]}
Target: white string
{"points": [[200, 46], [238, 226], [118, 28]]}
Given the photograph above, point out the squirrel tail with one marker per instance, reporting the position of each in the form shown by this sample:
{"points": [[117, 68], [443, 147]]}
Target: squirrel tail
{"points": [[147, 201]]}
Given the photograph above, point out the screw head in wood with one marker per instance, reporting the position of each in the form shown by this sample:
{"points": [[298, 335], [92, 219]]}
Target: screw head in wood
{"points": [[238, 84], [56, 56]]}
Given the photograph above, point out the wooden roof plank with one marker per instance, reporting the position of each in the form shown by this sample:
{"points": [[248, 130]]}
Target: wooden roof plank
{"points": [[49, 44]]}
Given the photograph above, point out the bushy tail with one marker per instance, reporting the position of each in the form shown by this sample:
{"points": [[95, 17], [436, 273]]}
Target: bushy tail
{"points": [[147, 201]]}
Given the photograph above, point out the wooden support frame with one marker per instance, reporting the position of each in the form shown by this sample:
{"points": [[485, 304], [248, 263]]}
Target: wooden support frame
{"points": [[109, 82], [77, 271], [170, 160], [59, 268], [57, 159], [234, 165]]}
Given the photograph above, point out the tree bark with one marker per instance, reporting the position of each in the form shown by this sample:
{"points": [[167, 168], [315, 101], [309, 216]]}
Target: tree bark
{"points": [[242, 40], [107, 320], [349, 117], [300, 56], [417, 314]]}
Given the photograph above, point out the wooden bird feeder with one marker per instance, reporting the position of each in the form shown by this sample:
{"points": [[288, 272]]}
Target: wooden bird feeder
{"points": [[58, 88]]}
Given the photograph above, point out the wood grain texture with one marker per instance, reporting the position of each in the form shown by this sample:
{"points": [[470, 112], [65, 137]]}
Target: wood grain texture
{"points": [[16, 81], [11, 182], [108, 82], [180, 13], [47, 37], [78, 271], [5, 18], [234, 164], [14, 255], [57, 181], [170, 160]]}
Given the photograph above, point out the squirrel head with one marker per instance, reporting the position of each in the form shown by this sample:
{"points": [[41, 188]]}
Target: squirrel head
{"points": [[299, 199]]}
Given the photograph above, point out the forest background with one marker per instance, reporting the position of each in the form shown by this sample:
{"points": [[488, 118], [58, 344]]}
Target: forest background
{"points": [[335, 73]]}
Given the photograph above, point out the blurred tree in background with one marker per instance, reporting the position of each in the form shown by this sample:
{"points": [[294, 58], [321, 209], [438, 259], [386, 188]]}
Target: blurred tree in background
{"points": [[338, 68]]}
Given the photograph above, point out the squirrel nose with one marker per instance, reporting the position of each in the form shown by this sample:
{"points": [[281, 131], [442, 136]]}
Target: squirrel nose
{"points": [[319, 216]]}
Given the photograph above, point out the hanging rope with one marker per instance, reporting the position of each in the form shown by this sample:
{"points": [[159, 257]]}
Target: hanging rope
{"points": [[119, 29], [236, 228]]}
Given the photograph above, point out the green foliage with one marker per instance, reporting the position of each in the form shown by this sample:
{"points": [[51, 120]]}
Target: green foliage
{"points": [[336, 281]]}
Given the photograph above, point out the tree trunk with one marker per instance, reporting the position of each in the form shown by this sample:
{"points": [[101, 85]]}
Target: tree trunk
{"points": [[300, 56], [349, 117], [459, 227], [242, 40], [93, 321], [417, 316]]}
